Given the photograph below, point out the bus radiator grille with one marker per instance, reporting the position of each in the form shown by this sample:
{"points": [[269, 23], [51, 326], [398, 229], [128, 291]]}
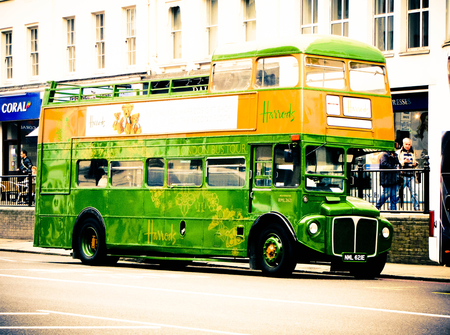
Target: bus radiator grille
{"points": [[354, 235]]}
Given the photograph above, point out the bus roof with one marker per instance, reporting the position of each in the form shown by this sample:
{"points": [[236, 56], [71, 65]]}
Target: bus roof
{"points": [[321, 45]]}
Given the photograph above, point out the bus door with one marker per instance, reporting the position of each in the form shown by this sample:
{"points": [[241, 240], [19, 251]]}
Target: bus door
{"points": [[276, 177]]}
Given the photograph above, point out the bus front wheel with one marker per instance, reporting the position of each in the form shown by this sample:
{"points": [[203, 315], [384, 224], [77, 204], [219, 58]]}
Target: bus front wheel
{"points": [[274, 252], [91, 243]]}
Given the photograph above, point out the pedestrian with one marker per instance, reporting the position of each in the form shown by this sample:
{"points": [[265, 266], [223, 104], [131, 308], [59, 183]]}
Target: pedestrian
{"points": [[388, 179], [407, 160], [25, 163]]}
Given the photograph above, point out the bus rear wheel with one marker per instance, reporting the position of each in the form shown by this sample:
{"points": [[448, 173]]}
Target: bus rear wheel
{"points": [[91, 243], [274, 252]]}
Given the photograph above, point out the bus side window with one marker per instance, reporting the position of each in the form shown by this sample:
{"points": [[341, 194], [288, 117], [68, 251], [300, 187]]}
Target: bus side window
{"points": [[287, 165], [126, 173], [155, 172], [226, 172], [184, 172], [263, 165], [232, 75], [93, 173], [325, 73], [277, 72]]}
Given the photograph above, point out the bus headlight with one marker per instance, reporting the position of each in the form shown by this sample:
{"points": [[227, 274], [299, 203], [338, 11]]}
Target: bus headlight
{"points": [[313, 228], [385, 232]]}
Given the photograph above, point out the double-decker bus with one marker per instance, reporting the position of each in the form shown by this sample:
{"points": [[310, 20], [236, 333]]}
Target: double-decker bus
{"points": [[251, 162]]}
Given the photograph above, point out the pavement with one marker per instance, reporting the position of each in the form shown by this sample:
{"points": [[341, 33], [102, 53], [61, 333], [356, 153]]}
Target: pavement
{"points": [[391, 270]]}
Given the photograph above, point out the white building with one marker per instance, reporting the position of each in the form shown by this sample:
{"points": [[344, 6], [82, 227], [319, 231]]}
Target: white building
{"points": [[127, 40]]}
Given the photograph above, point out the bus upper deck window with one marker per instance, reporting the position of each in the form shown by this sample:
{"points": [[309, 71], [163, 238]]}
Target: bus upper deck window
{"points": [[367, 78], [277, 72], [325, 73], [232, 75]]}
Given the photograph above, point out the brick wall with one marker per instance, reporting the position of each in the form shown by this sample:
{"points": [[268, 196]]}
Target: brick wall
{"points": [[410, 244], [17, 222]]}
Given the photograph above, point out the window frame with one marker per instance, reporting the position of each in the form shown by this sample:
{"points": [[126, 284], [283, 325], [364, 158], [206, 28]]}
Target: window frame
{"points": [[386, 13], [176, 29], [421, 11], [100, 52], [239, 165], [97, 182], [138, 182], [212, 27], [8, 48], [342, 18], [170, 174], [130, 38], [70, 41], [163, 171], [248, 20], [34, 51], [313, 15], [279, 85]]}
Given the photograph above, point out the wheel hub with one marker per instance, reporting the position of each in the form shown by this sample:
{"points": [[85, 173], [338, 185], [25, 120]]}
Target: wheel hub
{"points": [[272, 249]]}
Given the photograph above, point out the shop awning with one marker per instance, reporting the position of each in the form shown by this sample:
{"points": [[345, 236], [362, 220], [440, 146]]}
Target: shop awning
{"points": [[34, 133]]}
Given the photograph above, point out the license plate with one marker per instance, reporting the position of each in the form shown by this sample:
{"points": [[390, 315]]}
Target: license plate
{"points": [[354, 257]]}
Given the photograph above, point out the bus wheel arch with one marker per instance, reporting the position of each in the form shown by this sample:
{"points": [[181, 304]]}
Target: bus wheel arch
{"points": [[271, 246], [89, 239]]}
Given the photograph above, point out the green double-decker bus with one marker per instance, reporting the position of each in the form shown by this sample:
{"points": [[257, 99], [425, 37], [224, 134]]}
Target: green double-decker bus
{"points": [[251, 162]]}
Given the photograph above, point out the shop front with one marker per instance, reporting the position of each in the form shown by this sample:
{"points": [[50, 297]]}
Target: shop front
{"points": [[19, 120], [411, 120]]}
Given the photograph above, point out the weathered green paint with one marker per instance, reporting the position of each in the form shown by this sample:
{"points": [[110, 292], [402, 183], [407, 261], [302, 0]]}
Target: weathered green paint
{"points": [[321, 45], [216, 221]]}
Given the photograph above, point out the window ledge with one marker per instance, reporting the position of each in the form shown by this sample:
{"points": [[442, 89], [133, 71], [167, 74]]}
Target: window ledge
{"points": [[414, 52], [388, 54], [446, 44], [180, 65]]}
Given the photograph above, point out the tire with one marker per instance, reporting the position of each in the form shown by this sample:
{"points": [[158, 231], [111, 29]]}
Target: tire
{"points": [[91, 246], [274, 252], [371, 269]]}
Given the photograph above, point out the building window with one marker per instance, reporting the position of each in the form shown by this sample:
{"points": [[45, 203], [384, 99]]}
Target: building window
{"points": [[131, 36], [384, 25], [250, 20], [71, 44], [100, 40], [175, 14], [8, 54], [447, 28], [417, 23], [339, 17], [310, 16], [212, 18], [34, 51]]}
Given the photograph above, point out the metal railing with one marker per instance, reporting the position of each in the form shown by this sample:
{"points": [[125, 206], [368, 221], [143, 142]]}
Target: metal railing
{"points": [[365, 184], [17, 190]]}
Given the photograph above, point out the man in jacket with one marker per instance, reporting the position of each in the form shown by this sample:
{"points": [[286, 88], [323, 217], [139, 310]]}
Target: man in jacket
{"points": [[407, 159], [388, 180], [25, 163]]}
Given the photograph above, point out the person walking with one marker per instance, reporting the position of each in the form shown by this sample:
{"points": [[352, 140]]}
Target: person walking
{"points": [[388, 180], [407, 160], [25, 163]]}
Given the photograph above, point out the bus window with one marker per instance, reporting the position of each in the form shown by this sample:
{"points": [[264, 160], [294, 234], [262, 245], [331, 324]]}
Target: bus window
{"points": [[325, 73], [263, 165], [287, 166], [126, 173], [155, 172], [186, 172], [322, 163], [367, 78], [93, 173], [232, 75], [228, 172], [277, 72]]}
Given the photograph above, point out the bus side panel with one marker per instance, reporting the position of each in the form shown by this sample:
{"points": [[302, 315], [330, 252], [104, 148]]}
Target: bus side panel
{"points": [[54, 231], [55, 168], [228, 225]]}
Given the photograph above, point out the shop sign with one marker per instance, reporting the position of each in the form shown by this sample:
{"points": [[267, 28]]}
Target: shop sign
{"points": [[410, 102], [20, 107]]}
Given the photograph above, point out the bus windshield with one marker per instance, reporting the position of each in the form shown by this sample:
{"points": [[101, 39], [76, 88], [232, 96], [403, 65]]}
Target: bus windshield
{"points": [[323, 164]]}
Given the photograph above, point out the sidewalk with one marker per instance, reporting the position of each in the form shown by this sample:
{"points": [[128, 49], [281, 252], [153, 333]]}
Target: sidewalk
{"points": [[391, 270]]}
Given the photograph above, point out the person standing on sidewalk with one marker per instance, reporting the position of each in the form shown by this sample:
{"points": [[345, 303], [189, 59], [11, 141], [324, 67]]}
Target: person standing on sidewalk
{"points": [[407, 159], [388, 180], [25, 163]]}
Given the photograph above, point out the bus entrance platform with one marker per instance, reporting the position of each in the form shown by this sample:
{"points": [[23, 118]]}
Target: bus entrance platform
{"points": [[391, 270]]}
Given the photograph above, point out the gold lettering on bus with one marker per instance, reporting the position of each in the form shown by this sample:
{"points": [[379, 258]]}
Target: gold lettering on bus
{"points": [[285, 198], [219, 149], [268, 114], [159, 235]]}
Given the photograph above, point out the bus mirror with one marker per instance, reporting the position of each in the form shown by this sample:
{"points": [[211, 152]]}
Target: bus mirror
{"points": [[288, 157]]}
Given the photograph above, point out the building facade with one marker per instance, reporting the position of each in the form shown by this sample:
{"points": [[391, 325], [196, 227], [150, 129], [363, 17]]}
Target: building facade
{"points": [[103, 41]]}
